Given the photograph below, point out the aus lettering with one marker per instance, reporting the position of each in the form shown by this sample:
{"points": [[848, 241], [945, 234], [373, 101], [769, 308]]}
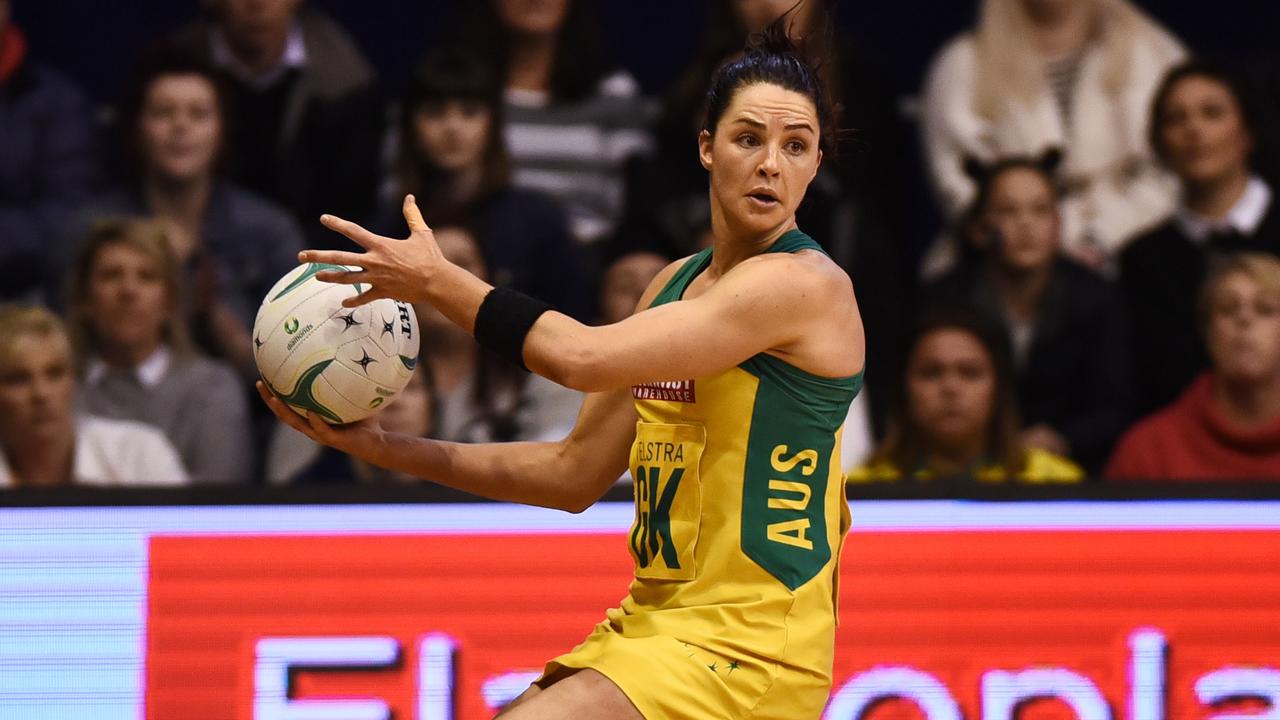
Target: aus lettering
{"points": [[793, 495]]}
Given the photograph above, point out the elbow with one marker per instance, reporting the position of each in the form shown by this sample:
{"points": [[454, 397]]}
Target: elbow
{"points": [[576, 506], [577, 369]]}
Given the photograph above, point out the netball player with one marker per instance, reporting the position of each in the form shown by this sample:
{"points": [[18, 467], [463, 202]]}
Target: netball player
{"points": [[725, 394]]}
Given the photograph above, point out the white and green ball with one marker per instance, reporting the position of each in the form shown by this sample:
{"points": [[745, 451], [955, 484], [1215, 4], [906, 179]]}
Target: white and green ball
{"points": [[342, 364]]}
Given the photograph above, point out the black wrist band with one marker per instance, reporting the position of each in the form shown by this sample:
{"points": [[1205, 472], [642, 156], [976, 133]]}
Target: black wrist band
{"points": [[504, 319]]}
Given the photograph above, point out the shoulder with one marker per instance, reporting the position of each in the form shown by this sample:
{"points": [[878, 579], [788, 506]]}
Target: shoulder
{"points": [[139, 453], [1046, 467], [660, 281], [956, 58], [213, 377], [339, 65], [249, 207], [1142, 448], [800, 275], [523, 202], [55, 90]]}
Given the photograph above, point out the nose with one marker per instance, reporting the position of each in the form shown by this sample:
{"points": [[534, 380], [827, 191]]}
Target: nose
{"points": [[768, 166]]}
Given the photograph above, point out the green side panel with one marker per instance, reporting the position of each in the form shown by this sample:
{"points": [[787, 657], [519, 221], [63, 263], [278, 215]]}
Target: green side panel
{"points": [[781, 430], [674, 289], [307, 274], [792, 436], [793, 241], [303, 398]]}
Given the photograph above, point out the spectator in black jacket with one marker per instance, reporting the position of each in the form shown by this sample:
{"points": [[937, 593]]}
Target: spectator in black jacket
{"points": [[308, 117], [1064, 323], [46, 159], [1202, 129]]}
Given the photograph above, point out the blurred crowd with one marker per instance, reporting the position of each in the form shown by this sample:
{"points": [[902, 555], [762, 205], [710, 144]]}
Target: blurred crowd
{"points": [[1103, 301]]}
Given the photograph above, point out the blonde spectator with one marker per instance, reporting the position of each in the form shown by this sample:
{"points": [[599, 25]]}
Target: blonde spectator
{"points": [[44, 442], [957, 416], [1076, 75], [125, 303], [1226, 426]]}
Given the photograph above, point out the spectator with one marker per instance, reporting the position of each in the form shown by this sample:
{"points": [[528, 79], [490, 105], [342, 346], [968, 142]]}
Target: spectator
{"points": [[294, 459], [43, 441], [1226, 426], [1063, 322], [308, 117], [482, 397], [46, 160], [625, 281], [572, 117], [233, 243], [127, 319], [1076, 75], [957, 415], [453, 159], [1202, 130]]}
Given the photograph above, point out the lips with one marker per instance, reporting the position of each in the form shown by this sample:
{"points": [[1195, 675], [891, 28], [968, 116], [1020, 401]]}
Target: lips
{"points": [[763, 196]]}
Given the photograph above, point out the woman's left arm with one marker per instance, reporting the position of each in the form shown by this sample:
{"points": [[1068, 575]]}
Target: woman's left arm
{"points": [[767, 303]]}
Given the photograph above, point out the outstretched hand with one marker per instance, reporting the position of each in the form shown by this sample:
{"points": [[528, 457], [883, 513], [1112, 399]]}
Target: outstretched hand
{"points": [[359, 439], [398, 269]]}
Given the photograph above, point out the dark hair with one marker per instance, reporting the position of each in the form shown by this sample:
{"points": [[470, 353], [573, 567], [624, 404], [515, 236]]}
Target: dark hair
{"points": [[904, 445], [162, 61], [1200, 68], [580, 59], [770, 57], [444, 75], [985, 176]]}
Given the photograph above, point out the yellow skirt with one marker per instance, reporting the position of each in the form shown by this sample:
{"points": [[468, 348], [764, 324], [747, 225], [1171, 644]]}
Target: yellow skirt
{"points": [[670, 679]]}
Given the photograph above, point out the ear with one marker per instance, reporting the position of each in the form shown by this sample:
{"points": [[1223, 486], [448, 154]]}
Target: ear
{"points": [[705, 141], [974, 169], [816, 166], [1049, 160]]}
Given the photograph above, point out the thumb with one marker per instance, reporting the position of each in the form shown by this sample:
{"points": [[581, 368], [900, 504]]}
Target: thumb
{"points": [[413, 216]]}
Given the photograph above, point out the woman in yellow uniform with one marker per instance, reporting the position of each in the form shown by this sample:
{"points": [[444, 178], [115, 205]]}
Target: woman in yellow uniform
{"points": [[724, 394]]}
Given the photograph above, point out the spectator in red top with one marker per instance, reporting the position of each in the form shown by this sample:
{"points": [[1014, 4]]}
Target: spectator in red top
{"points": [[1226, 426]]}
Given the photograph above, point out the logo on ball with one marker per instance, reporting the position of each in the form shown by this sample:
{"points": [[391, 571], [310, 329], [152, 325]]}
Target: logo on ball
{"points": [[291, 325]]}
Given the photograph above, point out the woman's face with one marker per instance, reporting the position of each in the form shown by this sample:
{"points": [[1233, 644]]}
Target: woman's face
{"points": [[453, 134], [625, 282], [125, 298], [1244, 329], [180, 127], [951, 388], [1022, 211], [533, 17], [37, 385], [410, 412], [1202, 131], [762, 157]]}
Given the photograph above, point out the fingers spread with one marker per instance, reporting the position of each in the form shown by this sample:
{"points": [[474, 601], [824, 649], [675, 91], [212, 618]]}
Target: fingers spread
{"points": [[343, 277], [363, 298], [413, 215], [359, 235], [333, 257]]}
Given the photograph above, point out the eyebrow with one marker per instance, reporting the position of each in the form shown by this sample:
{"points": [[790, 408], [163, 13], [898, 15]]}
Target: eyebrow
{"points": [[759, 125]]}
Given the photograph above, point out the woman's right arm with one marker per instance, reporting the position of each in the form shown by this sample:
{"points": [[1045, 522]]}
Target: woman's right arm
{"points": [[567, 475]]}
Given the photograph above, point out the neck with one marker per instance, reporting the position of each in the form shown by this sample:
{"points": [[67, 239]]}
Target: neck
{"points": [[731, 243], [532, 60], [1248, 403], [1020, 290], [453, 355], [463, 186], [181, 200], [127, 357], [259, 58], [43, 462], [1065, 32], [949, 461], [1216, 198]]}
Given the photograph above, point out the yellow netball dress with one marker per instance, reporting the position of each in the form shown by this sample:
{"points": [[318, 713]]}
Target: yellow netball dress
{"points": [[740, 514]]}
